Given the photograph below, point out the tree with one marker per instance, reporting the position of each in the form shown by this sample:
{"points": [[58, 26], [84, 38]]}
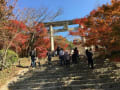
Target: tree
{"points": [[61, 41], [101, 27], [22, 31], [11, 30], [6, 35], [37, 32], [105, 25]]}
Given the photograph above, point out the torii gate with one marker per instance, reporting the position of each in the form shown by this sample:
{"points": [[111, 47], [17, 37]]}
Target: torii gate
{"points": [[58, 24]]}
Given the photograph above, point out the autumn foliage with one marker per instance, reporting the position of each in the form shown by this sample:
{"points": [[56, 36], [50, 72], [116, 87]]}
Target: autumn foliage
{"points": [[22, 33], [61, 41], [42, 40], [101, 27], [16, 35]]}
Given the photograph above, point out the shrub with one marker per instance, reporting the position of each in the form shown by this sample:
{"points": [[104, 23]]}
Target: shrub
{"points": [[12, 57]]}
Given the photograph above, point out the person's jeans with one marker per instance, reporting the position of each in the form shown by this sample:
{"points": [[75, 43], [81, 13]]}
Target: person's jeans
{"points": [[33, 64], [61, 59], [90, 63]]}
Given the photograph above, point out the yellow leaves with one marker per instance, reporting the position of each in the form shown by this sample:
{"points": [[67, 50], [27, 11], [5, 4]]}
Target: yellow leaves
{"points": [[101, 21], [116, 12], [112, 41]]}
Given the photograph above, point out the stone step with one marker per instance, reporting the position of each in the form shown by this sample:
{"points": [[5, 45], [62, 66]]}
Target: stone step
{"points": [[100, 86], [72, 83], [70, 87], [77, 77], [68, 73], [53, 87], [57, 78], [68, 77]]}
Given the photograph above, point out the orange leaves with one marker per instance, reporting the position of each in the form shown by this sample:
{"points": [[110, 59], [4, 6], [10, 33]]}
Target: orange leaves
{"points": [[40, 29], [61, 41], [79, 32], [18, 25], [76, 42], [13, 26], [92, 12], [66, 45], [80, 21], [21, 38], [61, 38], [73, 33], [41, 39], [101, 30], [44, 42], [7, 28], [77, 21], [112, 41], [41, 52], [40, 25], [117, 59]]}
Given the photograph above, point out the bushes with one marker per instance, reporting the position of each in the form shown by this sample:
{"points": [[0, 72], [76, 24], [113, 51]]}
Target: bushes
{"points": [[12, 57], [115, 56]]}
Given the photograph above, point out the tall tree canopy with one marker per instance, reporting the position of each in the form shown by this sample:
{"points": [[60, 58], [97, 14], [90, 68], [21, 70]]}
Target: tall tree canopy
{"points": [[102, 27]]}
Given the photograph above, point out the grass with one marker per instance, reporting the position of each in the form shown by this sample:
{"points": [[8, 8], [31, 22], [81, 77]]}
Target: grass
{"points": [[8, 73]]}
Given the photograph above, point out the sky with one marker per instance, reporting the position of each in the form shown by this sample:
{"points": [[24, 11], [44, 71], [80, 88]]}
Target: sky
{"points": [[71, 9]]}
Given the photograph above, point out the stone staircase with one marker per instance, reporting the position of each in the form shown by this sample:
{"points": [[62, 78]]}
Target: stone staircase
{"points": [[105, 76]]}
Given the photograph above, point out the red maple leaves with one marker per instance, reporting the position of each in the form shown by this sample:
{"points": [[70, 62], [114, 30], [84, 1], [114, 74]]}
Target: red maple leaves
{"points": [[101, 27]]}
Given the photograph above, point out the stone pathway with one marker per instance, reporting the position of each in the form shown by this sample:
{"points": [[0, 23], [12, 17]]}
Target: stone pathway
{"points": [[105, 76]]}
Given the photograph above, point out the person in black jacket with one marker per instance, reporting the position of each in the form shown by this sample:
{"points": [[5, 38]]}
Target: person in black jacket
{"points": [[90, 59], [49, 54], [58, 50], [75, 55], [33, 57]]}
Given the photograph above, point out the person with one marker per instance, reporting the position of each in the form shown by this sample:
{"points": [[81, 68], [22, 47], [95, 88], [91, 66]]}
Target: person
{"points": [[76, 51], [33, 57], [73, 58], [75, 55], [58, 50], [49, 54], [71, 51], [67, 58], [55, 52], [61, 56], [89, 55], [37, 61]]}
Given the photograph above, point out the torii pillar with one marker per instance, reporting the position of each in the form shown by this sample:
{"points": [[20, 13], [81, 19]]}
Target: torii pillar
{"points": [[51, 37]]}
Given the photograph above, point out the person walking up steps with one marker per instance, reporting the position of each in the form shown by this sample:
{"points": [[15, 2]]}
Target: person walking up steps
{"points": [[67, 58], [90, 59], [49, 54], [58, 50], [61, 56], [33, 57], [75, 56]]}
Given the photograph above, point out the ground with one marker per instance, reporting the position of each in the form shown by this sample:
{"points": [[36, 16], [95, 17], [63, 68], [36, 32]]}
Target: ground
{"points": [[9, 74], [105, 76]]}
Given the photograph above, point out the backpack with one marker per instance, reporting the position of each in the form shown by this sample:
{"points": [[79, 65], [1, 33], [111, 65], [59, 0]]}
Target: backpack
{"points": [[67, 57], [33, 53]]}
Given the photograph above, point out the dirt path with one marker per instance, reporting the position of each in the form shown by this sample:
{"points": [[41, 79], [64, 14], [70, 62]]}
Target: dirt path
{"points": [[14, 79]]}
